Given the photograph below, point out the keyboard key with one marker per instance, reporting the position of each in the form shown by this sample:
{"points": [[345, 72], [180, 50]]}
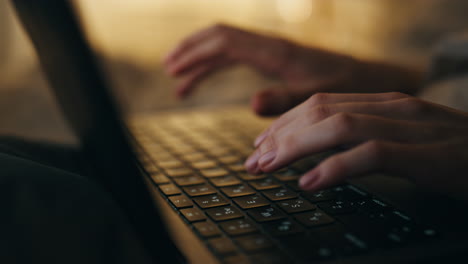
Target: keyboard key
{"points": [[283, 228], [296, 206], [251, 177], [170, 164], [204, 164], [352, 245], [162, 157], [320, 196], [179, 172], [227, 180], [280, 194], [193, 214], [230, 159], [181, 201], [199, 190], [316, 218], [224, 213], [217, 152], [265, 214], [254, 243], [342, 192], [183, 149], [237, 167], [371, 206], [189, 180], [236, 191], [210, 201], [287, 175], [222, 245], [207, 229], [337, 207], [170, 189], [196, 156], [150, 167], [353, 193], [249, 202], [210, 173], [238, 227], [382, 229], [265, 184], [159, 178]]}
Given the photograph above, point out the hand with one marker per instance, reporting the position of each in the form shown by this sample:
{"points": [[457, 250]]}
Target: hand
{"points": [[388, 132], [303, 70]]}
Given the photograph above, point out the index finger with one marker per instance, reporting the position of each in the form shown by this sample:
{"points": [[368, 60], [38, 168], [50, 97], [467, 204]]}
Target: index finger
{"points": [[324, 98]]}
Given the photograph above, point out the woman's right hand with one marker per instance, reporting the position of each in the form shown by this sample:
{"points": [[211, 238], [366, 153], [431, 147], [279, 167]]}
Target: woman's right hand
{"points": [[303, 70]]}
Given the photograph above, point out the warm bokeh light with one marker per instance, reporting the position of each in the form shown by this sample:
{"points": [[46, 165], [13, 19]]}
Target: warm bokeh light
{"points": [[294, 11]]}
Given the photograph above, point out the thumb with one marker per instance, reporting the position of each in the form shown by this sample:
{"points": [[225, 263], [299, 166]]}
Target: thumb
{"points": [[275, 101]]}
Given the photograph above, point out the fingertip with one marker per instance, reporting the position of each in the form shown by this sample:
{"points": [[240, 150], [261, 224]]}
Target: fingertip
{"points": [[309, 181]]}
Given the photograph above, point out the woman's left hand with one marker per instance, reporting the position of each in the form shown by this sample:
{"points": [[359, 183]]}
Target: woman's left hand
{"points": [[388, 132]]}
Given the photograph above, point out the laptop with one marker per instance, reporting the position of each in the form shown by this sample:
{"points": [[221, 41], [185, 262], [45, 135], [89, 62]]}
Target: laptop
{"points": [[179, 178]]}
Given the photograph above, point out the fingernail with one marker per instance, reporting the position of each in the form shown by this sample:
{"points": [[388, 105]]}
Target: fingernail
{"points": [[306, 181], [260, 139], [267, 158], [251, 163]]}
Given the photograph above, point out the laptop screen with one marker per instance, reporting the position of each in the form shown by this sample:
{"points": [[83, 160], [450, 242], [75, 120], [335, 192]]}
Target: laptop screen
{"points": [[84, 97]]}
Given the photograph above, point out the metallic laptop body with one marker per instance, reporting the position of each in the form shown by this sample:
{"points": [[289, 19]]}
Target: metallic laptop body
{"points": [[208, 210]]}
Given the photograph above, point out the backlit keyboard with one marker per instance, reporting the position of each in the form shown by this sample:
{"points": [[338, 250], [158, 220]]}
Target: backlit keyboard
{"points": [[196, 160]]}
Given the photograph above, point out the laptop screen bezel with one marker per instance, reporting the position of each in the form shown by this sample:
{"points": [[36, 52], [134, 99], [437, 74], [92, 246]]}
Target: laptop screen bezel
{"points": [[86, 102]]}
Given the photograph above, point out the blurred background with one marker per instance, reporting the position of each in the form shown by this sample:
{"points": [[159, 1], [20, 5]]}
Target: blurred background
{"points": [[132, 36]]}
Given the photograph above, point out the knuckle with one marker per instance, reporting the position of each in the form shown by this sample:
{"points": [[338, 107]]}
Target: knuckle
{"points": [[318, 99], [319, 112], [376, 150], [222, 42], [343, 123]]}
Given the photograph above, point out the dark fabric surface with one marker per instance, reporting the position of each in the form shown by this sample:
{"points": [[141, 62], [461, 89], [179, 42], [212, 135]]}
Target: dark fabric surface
{"points": [[51, 214]]}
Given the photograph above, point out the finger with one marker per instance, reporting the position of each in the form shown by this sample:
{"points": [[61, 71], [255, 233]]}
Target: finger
{"points": [[366, 158], [398, 159], [280, 150], [325, 98], [191, 79], [193, 40], [208, 49], [408, 109]]}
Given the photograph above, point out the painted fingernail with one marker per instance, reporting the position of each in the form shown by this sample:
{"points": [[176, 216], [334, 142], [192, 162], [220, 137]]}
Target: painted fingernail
{"points": [[251, 163], [260, 139], [267, 158], [306, 181]]}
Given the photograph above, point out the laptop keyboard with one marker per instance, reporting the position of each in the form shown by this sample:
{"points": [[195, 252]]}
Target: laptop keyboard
{"points": [[196, 161]]}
